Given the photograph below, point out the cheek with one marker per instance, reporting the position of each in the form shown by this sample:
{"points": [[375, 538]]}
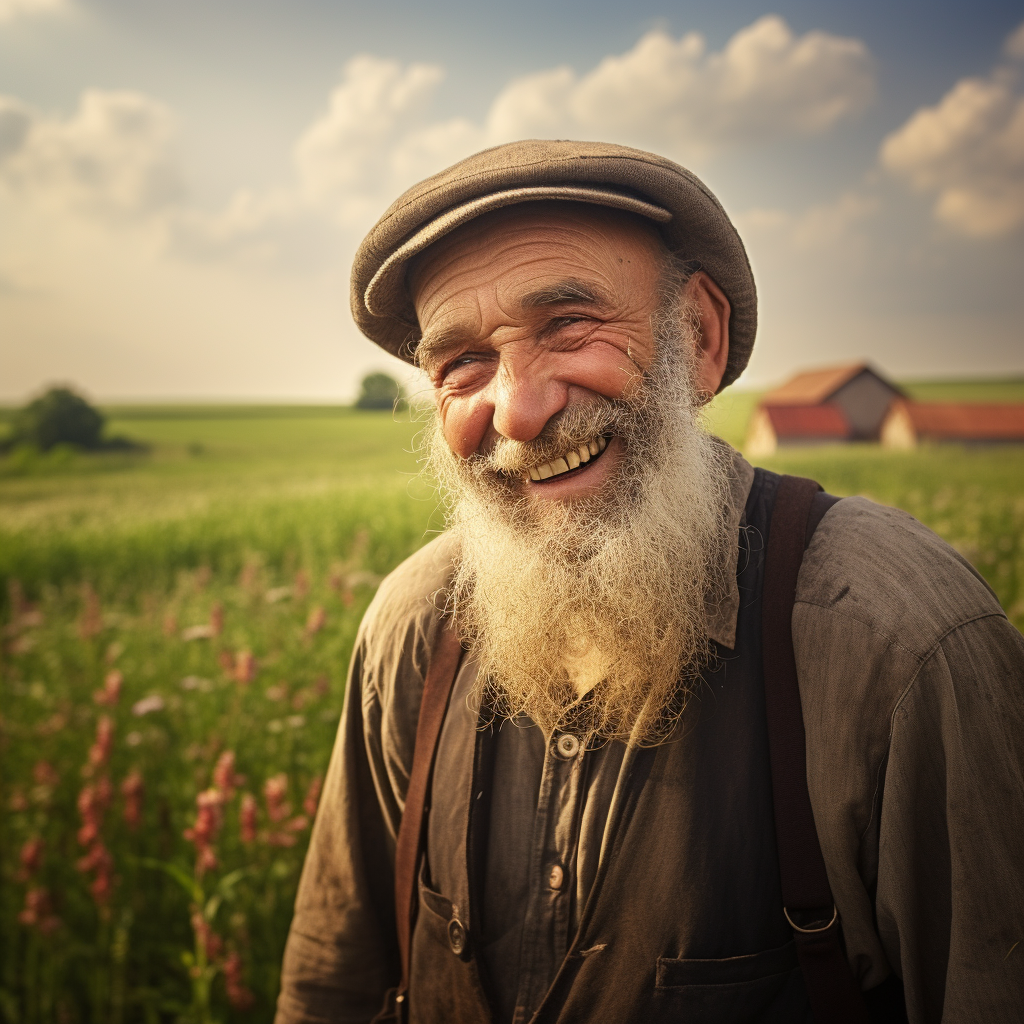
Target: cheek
{"points": [[465, 420]]}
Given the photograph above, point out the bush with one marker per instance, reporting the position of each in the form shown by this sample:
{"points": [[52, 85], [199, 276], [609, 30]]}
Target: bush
{"points": [[58, 417], [380, 391]]}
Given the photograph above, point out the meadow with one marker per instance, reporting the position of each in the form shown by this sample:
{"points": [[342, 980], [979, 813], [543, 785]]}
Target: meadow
{"points": [[176, 631]]}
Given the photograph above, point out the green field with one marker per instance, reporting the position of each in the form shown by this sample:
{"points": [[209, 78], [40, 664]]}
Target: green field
{"points": [[164, 610]]}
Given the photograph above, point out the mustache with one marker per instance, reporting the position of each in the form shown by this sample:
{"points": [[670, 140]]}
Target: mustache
{"points": [[570, 428]]}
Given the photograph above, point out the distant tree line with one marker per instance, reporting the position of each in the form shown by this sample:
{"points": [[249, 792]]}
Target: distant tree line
{"points": [[62, 417], [380, 391]]}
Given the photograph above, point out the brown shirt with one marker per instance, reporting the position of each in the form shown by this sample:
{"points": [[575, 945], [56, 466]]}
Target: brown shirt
{"points": [[911, 681]]}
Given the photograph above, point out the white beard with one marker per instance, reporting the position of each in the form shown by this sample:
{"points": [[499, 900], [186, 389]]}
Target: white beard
{"points": [[590, 614]]}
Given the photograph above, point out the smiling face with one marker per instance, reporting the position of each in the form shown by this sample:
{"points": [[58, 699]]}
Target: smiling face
{"points": [[532, 311], [585, 497]]}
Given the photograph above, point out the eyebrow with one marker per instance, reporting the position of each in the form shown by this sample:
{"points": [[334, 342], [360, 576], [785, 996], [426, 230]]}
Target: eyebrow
{"points": [[569, 290]]}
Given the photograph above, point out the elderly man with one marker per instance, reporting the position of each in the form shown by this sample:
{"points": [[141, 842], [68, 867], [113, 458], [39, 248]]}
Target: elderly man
{"points": [[581, 727]]}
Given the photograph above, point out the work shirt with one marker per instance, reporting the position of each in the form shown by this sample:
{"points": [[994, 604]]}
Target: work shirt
{"points": [[910, 678]]}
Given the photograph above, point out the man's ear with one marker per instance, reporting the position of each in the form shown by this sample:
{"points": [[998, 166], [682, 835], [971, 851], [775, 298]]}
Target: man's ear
{"points": [[712, 350]]}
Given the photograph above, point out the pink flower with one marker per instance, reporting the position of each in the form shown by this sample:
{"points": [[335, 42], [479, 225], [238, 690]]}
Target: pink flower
{"points": [[224, 777], [44, 774], [238, 995], [31, 858], [316, 621], [92, 804], [111, 692], [38, 912], [98, 861], [312, 798], [99, 752], [247, 818], [210, 941], [203, 834], [245, 667], [132, 789], [275, 789]]}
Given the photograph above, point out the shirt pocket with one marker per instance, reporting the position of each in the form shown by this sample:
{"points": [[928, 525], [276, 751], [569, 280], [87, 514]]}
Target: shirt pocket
{"points": [[763, 986]]}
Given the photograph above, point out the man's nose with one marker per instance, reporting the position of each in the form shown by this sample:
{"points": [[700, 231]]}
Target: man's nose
{"points": [[524, 401]]}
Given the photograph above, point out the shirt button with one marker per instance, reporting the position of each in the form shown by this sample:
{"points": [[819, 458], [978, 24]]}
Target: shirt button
{"points": [[555, 877], [456, 936], [567, 745]]}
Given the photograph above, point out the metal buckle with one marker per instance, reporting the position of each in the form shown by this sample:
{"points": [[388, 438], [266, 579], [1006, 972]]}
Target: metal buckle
{"points": [[812, 931]]}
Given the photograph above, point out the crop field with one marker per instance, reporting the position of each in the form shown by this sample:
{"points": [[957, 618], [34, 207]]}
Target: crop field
{"points": [[176, 628]]}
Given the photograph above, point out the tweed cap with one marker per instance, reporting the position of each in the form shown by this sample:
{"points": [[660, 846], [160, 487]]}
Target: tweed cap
{"points": [[689, 217]]}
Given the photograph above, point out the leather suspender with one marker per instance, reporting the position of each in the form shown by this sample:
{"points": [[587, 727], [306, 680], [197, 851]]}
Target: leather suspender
{"points": [[437, 688], [807, 898], [834, 996]]}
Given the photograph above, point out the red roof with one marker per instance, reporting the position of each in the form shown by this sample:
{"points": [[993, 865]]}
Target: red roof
{"points": [[814, 386], [807, 422], [953, 421]]}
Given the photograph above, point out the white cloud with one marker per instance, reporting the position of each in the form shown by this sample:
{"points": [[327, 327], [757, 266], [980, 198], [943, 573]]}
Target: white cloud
{"points": [[1014, 47], [672, 94], [112, 158], [831, 228], [968, 151], [12, 9], [348, 154], [665, 94]]}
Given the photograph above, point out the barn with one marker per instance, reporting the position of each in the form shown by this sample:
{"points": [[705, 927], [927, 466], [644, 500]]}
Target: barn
{"points": [[908, 424], [837, 403]]}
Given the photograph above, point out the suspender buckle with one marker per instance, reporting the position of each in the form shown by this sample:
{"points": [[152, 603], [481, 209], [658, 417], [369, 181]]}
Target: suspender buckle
{"points": [[812, 931]]}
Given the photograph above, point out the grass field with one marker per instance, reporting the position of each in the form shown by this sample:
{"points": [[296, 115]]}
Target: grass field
{"points": [[176, 630]]}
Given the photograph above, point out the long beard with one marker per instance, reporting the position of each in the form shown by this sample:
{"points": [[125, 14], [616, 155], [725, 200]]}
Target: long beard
{"points": [[589, 614]]}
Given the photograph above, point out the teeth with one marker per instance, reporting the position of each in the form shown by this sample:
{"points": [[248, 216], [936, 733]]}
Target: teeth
{"points": [[571, 460]]}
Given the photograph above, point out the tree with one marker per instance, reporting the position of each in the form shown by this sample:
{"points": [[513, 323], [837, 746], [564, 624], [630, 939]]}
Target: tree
{"points": [[380, 391], [58, 417]]}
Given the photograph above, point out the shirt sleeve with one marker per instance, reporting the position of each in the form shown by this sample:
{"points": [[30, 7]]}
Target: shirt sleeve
{"points": [[950, 893], [341, 955]]}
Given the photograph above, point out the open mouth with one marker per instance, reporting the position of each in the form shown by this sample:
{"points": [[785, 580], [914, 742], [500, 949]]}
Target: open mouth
{"points": [[573, 460]]}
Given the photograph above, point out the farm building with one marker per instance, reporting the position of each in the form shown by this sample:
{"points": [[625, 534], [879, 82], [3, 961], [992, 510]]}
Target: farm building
{"points": [[907, 424], [839, 403]]}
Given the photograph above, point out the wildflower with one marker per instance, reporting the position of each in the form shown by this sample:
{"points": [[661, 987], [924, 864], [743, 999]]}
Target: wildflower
{"points": [[92, 804], [99, 752], [31, 858], [238, 995], [227, 661], [134, 738], [154, 702], [111, 692], [132, 790], [38, 912], [247, 818], [91, 621], [212, 944], [44, 774], [312, 797], [196, 683], [18, 801], [100, 864], [247, 577], [224, 777], [301, 583], [278, 691], [275, 594], [170, 624], [296, 721], [203, 834], [275, 789], [217, 619], [316, 621], [245, 667]]}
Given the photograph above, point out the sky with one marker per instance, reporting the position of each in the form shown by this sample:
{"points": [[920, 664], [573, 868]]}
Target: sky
{"points": [[182, 186]]}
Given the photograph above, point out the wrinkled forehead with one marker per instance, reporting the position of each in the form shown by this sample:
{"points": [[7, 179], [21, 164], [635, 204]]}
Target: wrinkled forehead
{"points": [[550, 236]]}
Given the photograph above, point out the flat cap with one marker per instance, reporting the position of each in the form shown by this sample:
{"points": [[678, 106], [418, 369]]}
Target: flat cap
{"points": [[690, 218]]}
